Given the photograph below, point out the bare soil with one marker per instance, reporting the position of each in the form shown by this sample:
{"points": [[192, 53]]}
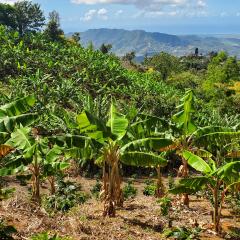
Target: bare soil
{"points": [[139, 219]]}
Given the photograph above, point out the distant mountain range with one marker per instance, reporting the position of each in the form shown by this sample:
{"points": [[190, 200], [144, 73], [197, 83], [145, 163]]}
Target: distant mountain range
{"points": [[143, 42]]}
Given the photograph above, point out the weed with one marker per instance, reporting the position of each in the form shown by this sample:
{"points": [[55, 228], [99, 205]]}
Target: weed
{"points": [[129, 191], [150, 188]]}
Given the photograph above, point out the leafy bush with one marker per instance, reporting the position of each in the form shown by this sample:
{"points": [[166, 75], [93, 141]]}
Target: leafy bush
{"points": [[234, 233], [96, 189], [6, 231], [234, 203], [23, 179], [67, 196], [45, 236], [165, 204], [6, 193], [171, 182], [129, 191], [183, 233], [150, 188]]}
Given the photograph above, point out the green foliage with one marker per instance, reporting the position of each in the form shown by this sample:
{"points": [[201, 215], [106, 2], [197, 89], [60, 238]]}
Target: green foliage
{"points": [[23, 16], [105, 48], [6, 231], [6, 193], [234, 233], [165, 204], [46, 236], [165, 63], [150, 188], [96, 189], [29, 16], [15, 114], [171, 182], [68, 195], [129, 191], [7, 15], [185, 80], [183, 118], [53, 30], [182, 233]]}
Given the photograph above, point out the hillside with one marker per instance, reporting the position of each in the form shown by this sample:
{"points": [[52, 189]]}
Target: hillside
{"points": [[90, 148], [143, 42]]}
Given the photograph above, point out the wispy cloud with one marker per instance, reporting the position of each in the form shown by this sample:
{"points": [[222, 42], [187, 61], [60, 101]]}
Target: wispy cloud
{"points": [[9, 1], [150, 5], [119, 12], [100, 13], [155, 8]]}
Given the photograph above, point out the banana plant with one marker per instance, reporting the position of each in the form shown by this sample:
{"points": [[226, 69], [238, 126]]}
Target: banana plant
{"points": [[12, 115], [186, 128], [36, 155], [218, 179], [112, 136], [148, 126], [15, 113]]}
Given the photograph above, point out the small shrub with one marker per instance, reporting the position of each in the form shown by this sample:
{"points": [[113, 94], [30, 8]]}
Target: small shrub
{"points": [[134, 176], [165, 204], [96, 189], [45, 236], [234, 203], [67, 196], [150, 188], [6, 193], [234, 233], [171, 182], [23, 179], [129, 191], [6, 231], [182, 233]]}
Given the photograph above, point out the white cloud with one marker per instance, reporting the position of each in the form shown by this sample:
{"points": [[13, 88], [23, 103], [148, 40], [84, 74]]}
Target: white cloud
{"points": [[150, 5], [102, 11], [8, 1], [119, 12], [101, 14], [201, 3], [89, 15]]}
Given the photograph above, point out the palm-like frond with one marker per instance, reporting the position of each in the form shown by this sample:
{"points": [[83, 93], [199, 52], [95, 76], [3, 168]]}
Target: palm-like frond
{"points": [[148, 144], [142, 159]]}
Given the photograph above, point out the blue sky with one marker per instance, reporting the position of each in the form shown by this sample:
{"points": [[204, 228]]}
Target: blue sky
{"points": [[168, 16]]}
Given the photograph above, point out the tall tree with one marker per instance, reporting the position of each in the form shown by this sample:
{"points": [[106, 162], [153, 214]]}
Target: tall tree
{"points": [[105, 48], [76, 37], [165, 63], [7, 15], [29, 17], [129, 56], [53, 29]]}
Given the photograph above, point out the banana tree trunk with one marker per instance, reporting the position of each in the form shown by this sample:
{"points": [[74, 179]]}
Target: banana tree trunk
{"points": [[112, 184], [36, 189], [218, 207], [118, 191], [109, 204], [36, 181], [185, 175], [216, 219], [160, 191], [51, 180]]}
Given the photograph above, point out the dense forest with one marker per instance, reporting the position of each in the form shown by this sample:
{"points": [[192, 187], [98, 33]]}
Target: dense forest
{"points": [[94, 146]]}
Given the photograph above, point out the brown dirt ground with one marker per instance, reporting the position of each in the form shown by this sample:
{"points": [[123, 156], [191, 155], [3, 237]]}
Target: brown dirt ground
{"points": [[139, 219]]}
